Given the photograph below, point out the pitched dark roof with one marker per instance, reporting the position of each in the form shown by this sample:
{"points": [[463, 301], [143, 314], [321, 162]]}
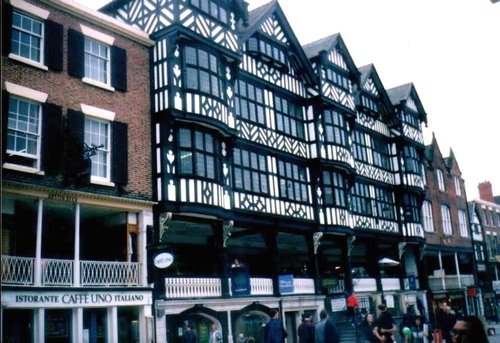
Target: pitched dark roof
{"points": [[399, 93], [324, 44]]}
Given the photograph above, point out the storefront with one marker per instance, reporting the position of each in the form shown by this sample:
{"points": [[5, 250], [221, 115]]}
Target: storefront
{"points": [[89, 316]]}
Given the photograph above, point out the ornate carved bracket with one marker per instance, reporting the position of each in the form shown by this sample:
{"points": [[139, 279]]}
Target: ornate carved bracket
{"points": [[350, 244], [227, 227], [317, 241], [164, 221], [401, 248], [422, 250]]}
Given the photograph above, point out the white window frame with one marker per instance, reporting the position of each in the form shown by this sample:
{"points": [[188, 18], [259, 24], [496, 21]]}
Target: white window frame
{"points": [[92, 56], [427, 216], [462, 223], [440, 179], [458, 189], [33, 96], [103, 116], [446, 220], [35, 13]]}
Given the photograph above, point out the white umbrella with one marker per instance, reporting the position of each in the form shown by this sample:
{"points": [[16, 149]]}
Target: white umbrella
{"points": [[388, 262]]}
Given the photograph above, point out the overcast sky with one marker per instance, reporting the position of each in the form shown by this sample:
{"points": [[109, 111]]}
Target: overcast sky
{"points": [[449, 49]]}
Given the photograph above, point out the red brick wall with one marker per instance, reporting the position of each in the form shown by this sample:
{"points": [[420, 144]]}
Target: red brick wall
{"points": [[447, 198], [131, 107]]}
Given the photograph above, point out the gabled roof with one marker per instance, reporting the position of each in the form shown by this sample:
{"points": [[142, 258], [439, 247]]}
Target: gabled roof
{"points": [[431, 149], [258, 15], [368, 71], [314, 49], [401, 94], [451, 162]]}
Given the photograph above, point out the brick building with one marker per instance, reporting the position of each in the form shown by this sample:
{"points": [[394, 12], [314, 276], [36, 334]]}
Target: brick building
{"points": [[485, 216], [448, 253], [76, 175]]}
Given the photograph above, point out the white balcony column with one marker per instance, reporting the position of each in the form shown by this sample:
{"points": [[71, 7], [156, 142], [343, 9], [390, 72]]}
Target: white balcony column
{"points": [[141, 249], [39, 325], [144, 315], [76, 275], [77, 325], [229, 328], [38, 246], [112, 324], [443, 283], [457, 269]]}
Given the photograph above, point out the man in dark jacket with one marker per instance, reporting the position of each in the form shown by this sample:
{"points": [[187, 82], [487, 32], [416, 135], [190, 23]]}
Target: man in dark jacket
{"points": [[326, 331], [305, 330], [274, 331], [190, 335]]}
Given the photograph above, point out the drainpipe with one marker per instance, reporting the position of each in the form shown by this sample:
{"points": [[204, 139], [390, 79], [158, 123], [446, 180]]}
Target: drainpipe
{"points": [[443, 284], [38, 251], [457, 268]]}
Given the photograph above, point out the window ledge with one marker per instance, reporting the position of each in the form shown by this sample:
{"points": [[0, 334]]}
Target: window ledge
{"points": [[98, 84], [28, 61], [101, 182], [23, 169]]}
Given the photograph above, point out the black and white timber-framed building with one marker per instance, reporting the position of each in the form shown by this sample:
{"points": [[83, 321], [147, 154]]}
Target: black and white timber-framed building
{"points": [[279, 156]]}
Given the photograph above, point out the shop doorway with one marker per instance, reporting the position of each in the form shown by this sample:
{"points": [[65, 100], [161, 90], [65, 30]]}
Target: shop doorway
{"points": [[94, 325], [251, 325], [57, 326]]}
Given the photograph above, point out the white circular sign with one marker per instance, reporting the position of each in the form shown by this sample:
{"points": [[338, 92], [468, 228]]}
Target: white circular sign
{"points": [[163, 260]]}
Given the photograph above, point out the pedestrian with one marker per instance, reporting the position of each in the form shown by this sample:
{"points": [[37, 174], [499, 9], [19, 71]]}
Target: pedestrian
{"points": [[419, 331], [408, 318], [447, 320], [469, 329], [215, 334], [352, 307], [306, 329], [366, 329], [326, 331], [274, 331], [190, 335], [384, 327]]}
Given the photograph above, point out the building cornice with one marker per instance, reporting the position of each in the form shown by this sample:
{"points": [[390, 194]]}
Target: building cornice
{"points": [[101, 20]]}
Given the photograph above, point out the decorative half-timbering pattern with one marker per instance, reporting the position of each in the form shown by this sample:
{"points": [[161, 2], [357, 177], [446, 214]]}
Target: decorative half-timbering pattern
{"points": [[338, 95], [336, 58], [202, 192], [410, 103], [370, 223], [272, 75], [272, 28], [413, 180], [336, 217], [375, 173], [207, 106], [413, 230], [148, 15], [205, 26], [372, 124], [271, 138], [262, 204], [370, 87], [413, 133], [160, 75]]}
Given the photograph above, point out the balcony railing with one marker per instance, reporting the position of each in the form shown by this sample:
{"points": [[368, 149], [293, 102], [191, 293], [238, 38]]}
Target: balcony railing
{"points": [[391, 284], [20, 271], [365, 285], [450, 282]]}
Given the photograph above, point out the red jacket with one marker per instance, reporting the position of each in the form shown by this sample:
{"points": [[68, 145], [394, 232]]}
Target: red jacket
{"points": [[352, 301]]}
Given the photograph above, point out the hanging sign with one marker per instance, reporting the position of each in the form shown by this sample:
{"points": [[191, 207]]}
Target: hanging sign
{"points": [[163, 260]]}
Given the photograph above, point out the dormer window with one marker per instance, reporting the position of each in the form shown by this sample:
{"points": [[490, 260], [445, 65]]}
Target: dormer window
{"points": [[411, 118], [369, 103], [268, 50], [338, 78], [211, 8]]}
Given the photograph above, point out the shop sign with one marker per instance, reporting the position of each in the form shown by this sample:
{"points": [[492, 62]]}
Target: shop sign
{"points": [[285, 283], [51, 299], [163, 260]]}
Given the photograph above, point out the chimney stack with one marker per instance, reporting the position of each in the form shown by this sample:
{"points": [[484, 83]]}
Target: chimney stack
{"points": [[486, 191]]}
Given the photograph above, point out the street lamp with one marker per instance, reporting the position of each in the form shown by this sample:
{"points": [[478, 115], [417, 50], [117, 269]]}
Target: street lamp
{"points": [[386, 262]]}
